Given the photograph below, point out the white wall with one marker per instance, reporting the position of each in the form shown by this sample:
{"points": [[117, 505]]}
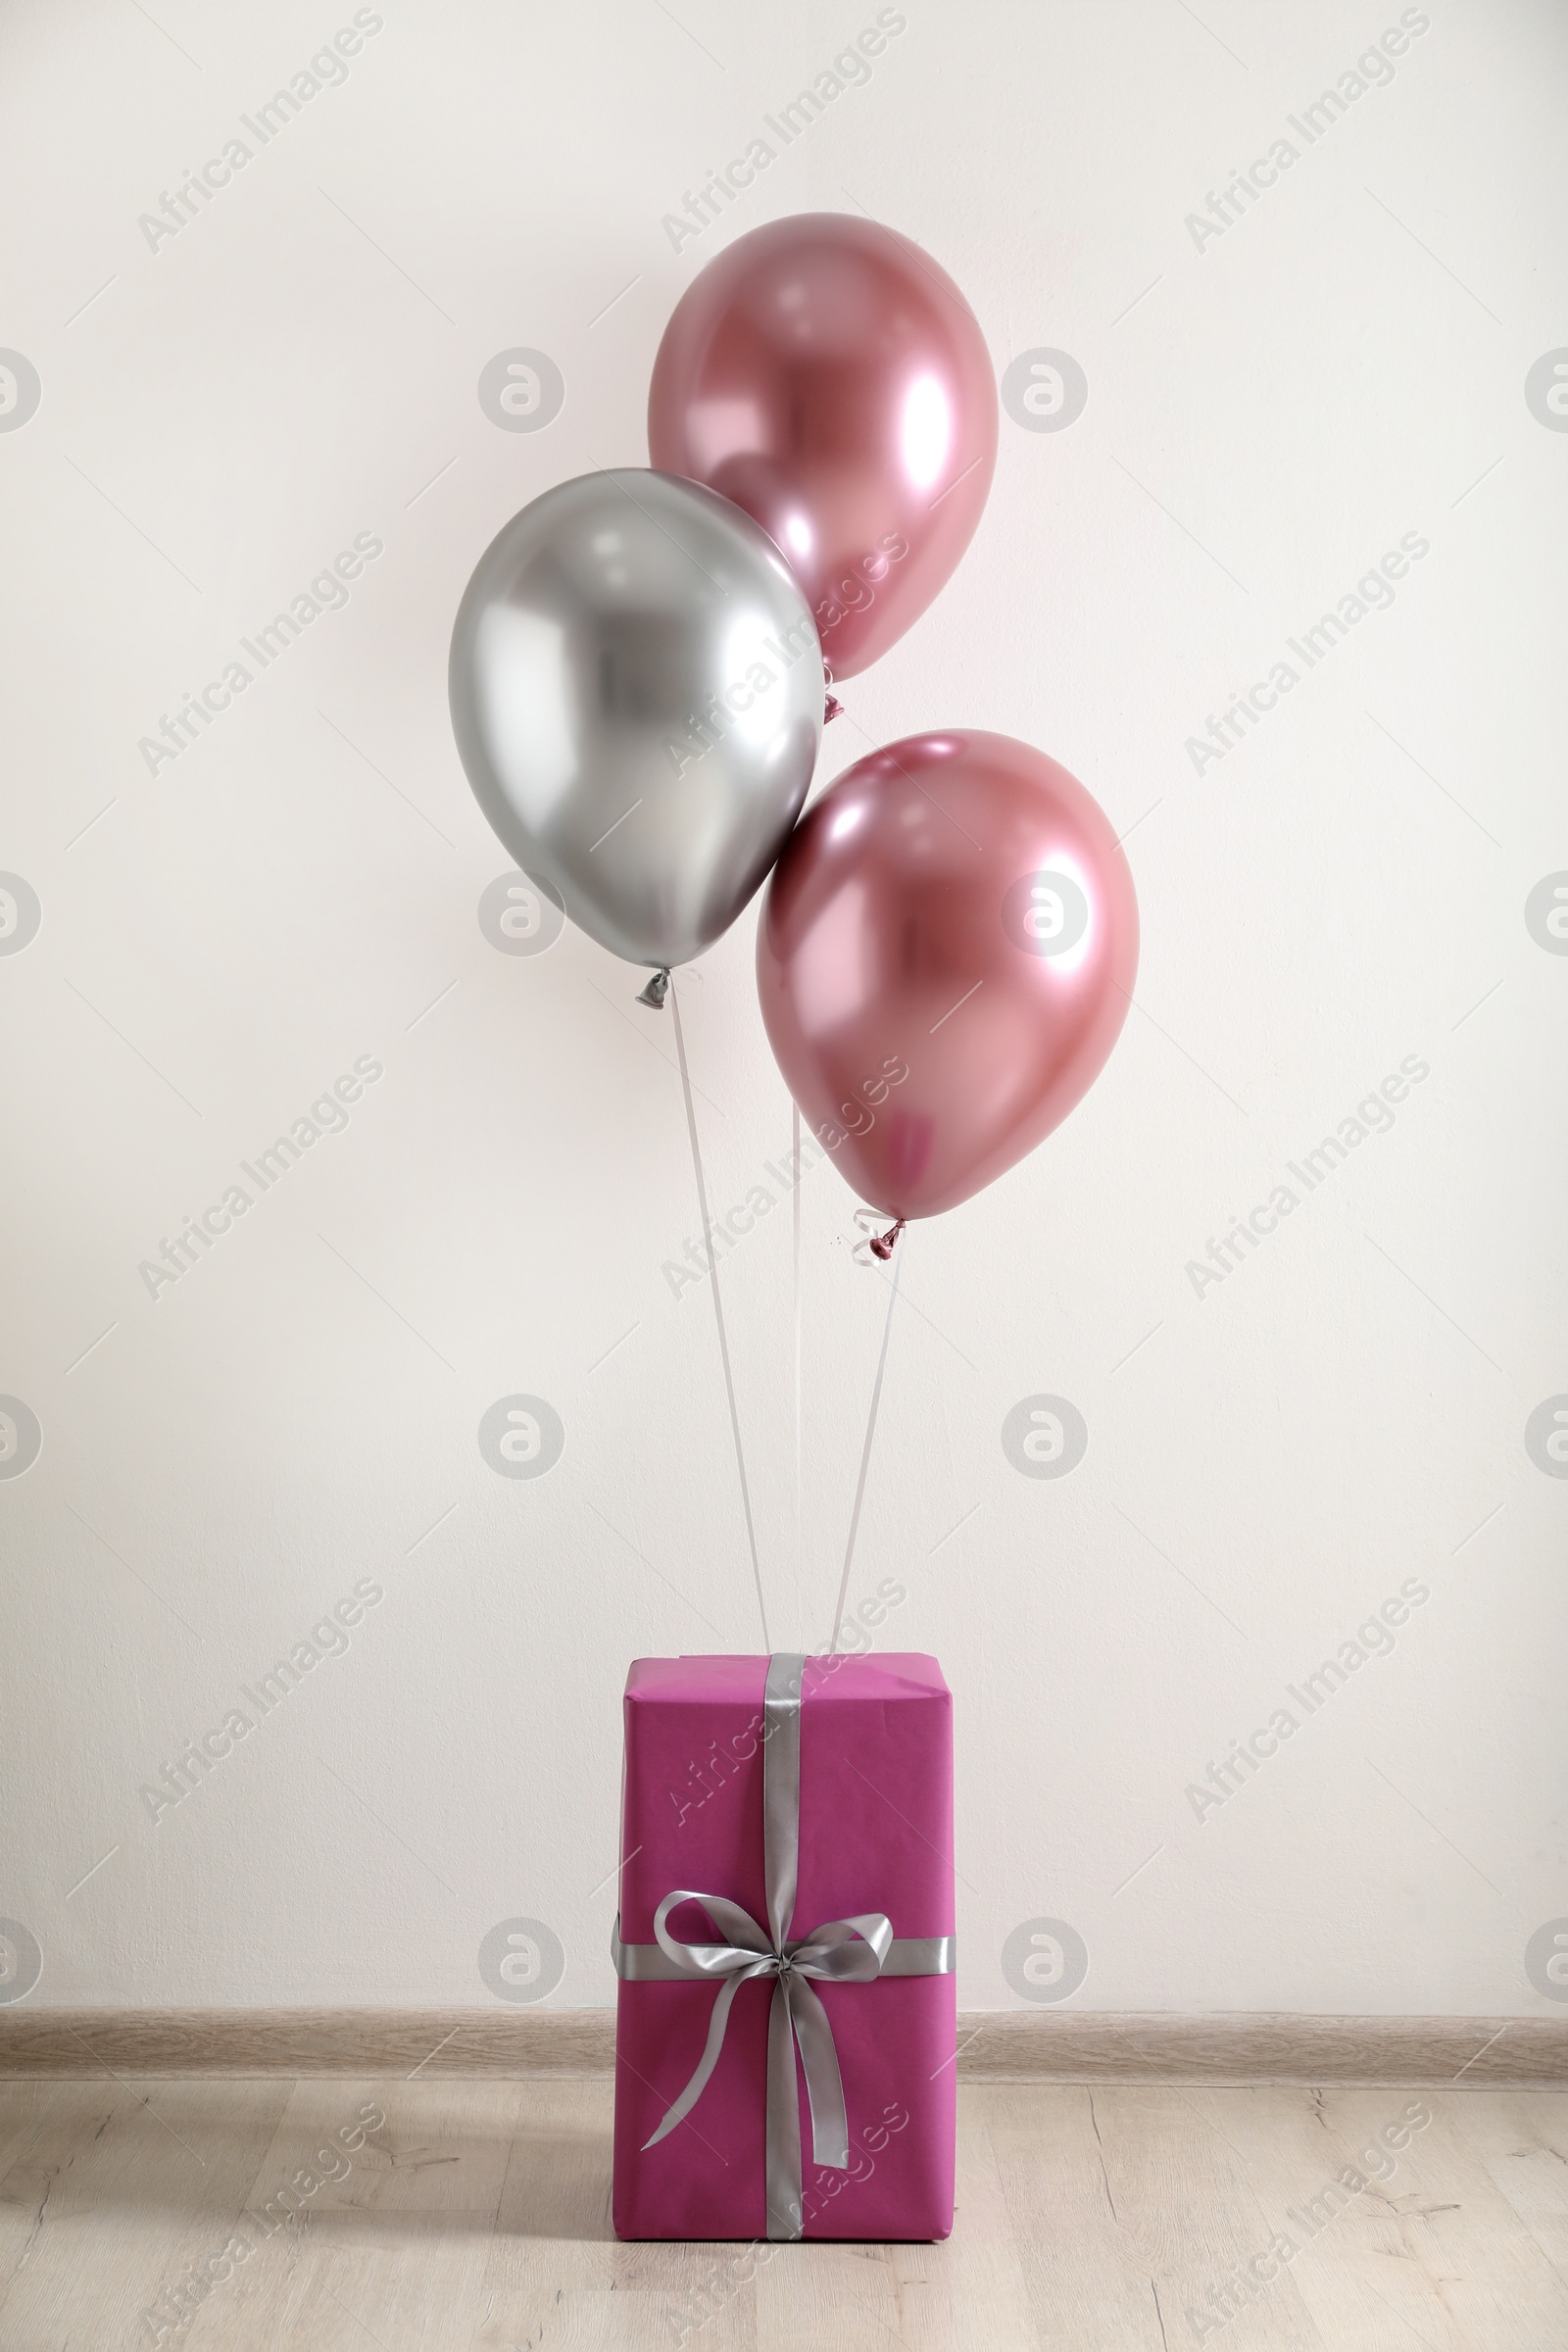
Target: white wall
{"points": [[220, 939]]}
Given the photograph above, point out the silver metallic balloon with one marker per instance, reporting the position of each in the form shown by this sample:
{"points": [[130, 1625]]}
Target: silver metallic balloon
{"points": [[636, 691]]}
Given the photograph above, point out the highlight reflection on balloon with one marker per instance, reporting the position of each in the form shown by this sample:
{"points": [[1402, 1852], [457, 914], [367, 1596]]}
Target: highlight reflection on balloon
{"points": [[830, 377], [946, 955]]}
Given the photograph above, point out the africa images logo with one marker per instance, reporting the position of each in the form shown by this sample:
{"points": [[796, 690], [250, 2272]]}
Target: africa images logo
{"points": [[1545, 1959], [1246, 708], [327, 1116], [21, 1961], [1046, 913], [521, 1960], [520, 917], [1545, 913], [21, 1436], [1045, 1437], [1546, 390], [326, 70], [20, 390], [522, 1436], [1045, 1960], [1546, 1437], [327, 593], [1373, 69], [1044, 390], [849, 69], [521, 389], [20, 914]]}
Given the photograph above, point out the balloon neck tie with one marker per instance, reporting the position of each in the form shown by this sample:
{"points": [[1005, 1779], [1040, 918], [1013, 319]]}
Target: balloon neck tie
{"points": [[882, 1243], [834, 708], [658, 988]]}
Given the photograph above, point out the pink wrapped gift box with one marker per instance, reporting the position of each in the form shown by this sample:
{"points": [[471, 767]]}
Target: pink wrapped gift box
{"points": [[873, 1740]]}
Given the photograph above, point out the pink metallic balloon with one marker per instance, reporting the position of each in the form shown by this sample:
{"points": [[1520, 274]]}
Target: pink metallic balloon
{"points": [[946, 955], [826, 375]]}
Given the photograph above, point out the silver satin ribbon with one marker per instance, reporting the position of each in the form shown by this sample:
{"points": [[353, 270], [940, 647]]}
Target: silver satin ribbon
{"points": [[844, 1951]]}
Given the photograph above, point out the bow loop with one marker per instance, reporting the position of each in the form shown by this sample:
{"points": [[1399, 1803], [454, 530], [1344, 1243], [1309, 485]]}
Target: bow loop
{"points": [[743, 1936]]}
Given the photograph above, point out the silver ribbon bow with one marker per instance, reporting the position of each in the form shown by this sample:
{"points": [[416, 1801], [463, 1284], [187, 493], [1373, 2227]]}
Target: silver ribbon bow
{"points": [[855, 1950]]}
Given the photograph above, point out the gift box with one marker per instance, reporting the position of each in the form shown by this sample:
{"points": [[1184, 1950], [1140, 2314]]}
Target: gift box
{"points": [[785, 2033]]}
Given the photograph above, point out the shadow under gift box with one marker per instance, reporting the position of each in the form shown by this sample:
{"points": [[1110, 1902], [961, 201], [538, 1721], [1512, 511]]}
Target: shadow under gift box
{"points": [[875, 1836]]}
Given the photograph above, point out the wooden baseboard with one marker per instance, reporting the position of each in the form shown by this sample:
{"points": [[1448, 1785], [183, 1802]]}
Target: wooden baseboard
{"points": [[1256, 2046], [246, 2043], [995, 2046]]}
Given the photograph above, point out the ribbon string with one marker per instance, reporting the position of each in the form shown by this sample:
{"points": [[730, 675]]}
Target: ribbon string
{"points": [[866, 1454], [797, 1172], [718, 1307]]}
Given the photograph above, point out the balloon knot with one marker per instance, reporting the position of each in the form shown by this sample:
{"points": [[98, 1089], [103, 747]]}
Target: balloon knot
{"points": [[882, 1243], [834, 709], [658, 988]]}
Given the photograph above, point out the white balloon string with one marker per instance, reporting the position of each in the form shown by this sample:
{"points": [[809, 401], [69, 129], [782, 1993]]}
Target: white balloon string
{"points": [[799, 1532], [865, 1450], [718, 1308]]}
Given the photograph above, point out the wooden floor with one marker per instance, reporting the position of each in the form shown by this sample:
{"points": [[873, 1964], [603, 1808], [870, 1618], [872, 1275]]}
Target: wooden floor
{"points": [[475, 2216]]}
